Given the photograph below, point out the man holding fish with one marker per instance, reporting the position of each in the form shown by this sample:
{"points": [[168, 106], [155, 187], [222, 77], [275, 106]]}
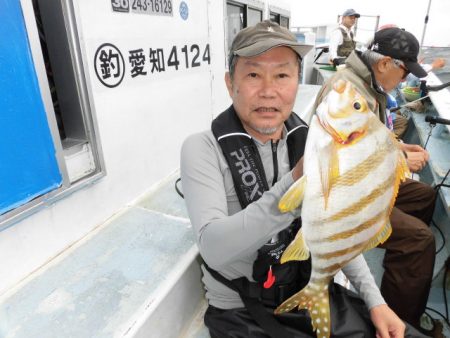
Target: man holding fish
{"points": [[410, 250], [234, 176]]}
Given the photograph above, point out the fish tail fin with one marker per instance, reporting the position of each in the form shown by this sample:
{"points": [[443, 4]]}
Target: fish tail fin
{"points": [[294, 196], [315, 299], [297, 250]]}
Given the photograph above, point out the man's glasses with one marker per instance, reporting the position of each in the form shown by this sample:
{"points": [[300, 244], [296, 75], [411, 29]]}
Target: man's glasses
{"points": [[401, 65]]}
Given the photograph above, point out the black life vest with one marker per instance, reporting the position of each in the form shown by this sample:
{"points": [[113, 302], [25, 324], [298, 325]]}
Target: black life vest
{"points": [[275, 282]]}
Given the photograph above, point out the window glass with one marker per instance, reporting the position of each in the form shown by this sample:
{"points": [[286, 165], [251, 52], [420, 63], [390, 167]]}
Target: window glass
{"points": [[284, 21], [275, 17], [253, 16], [235, 16]]}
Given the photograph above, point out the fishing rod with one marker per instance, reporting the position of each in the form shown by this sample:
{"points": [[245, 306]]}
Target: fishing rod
{"points": [[429, 89], [408, 103], [438, 87]]}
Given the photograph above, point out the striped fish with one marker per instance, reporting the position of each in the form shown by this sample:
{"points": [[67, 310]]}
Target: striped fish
{"points": [[353, 167]]}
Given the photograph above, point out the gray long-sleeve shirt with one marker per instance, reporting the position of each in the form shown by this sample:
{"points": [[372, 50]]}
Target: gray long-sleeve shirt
{"points": [[228, 236]]}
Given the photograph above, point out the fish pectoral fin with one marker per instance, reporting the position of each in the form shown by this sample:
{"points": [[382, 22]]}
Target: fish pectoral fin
{"points": [[294, 196], [316, 301], [380, 237], [329, 169], [297, 250]]}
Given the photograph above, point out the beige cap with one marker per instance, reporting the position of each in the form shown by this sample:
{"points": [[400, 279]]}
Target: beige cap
{"points": [[263, 36]]}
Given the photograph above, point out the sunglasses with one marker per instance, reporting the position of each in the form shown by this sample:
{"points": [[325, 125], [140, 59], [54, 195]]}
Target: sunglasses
{"points": [[401, 65]]}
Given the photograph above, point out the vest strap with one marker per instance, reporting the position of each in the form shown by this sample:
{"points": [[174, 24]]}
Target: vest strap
{"points": [[243, 157]]}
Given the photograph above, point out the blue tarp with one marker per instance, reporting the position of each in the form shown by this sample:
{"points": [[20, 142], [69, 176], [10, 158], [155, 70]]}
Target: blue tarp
{"points": [[28, 166]]}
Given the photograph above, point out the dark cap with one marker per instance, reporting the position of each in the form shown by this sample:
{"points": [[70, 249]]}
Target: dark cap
{"points": [[351, 12], [263, 36], [401, 45]]}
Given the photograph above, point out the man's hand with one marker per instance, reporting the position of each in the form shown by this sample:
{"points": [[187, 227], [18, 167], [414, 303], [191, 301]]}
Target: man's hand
{"points": [[417, 157], [437, 63], [387, 323]]}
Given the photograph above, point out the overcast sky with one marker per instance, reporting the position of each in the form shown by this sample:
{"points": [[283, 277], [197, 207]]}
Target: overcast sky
{"points": [[408, 14]]}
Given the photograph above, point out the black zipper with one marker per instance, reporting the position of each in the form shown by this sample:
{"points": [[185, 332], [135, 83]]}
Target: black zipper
{"points": [[275, 161]]}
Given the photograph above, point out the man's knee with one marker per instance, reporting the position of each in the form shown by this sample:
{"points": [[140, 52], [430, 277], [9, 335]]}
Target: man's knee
{"points": [[416, 190], [429, 193], [422, 236]]}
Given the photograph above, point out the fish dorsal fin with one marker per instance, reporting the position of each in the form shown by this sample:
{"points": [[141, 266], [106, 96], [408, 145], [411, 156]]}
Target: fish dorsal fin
{"points": [[380, 237], [329, 169], [294, 196], [403, 170], [297, 250]]}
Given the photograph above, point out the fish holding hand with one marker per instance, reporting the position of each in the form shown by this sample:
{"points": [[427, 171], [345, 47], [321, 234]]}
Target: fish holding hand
{"points": [[352, 169]]}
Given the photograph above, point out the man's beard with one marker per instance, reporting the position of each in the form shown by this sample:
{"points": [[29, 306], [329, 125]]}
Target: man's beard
{"points": [[265, 131]]}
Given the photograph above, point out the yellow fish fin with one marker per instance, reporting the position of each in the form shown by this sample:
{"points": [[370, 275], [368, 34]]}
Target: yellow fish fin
{"points": [[297, 250], [381, 236], [315, 299], [402, 168], [329, 169], [294, 196], [401, 173]]}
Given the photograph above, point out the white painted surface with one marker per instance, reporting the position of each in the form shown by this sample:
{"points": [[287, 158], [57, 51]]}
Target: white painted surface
{"points": [[80, 163]]}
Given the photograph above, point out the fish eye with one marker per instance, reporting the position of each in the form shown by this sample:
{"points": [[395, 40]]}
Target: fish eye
{"points": [[357, 105]]}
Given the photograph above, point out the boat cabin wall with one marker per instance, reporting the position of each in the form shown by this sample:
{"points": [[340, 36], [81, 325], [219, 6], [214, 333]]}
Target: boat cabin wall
{"points": [[151, 79]]}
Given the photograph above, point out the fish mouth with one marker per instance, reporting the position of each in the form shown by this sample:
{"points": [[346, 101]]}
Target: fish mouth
{"points": [[354, 136]]}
